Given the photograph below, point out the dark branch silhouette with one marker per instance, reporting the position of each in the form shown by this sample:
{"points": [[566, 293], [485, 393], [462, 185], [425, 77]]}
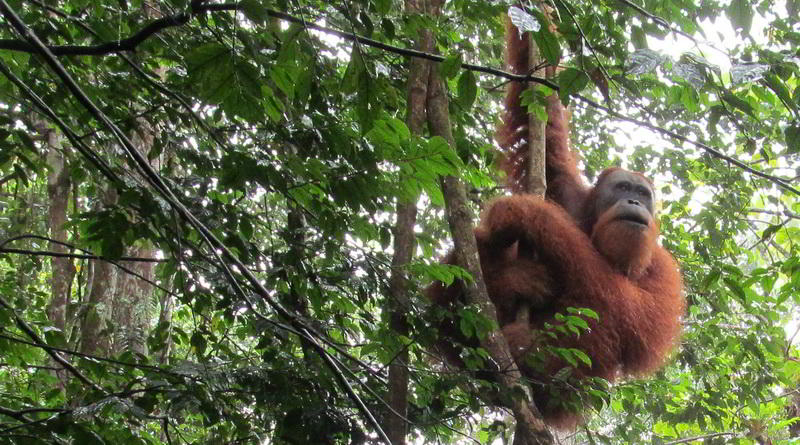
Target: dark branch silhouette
{"points": [[77, 255], [711, 150], [227, 259], [197, 7], [156, 26]]}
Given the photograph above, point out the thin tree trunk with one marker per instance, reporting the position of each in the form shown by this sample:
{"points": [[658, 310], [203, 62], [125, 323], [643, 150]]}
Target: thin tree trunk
{"points": [[399, 304], [295, 239], [58, 187], [537, 178], [530, 430], [133, 306], [116, 299], [404, 242], [537, 182], [96, 314], [62, 271], [793, 410], [101, 288], [166, 304]]}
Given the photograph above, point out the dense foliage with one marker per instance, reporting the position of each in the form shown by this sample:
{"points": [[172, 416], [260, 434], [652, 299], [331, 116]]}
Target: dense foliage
{"points": [[240, 176]]}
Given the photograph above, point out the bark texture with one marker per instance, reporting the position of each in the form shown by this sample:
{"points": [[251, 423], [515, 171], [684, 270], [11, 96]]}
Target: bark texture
{"points": [[58, 187], [404, 242], [530, 430]]}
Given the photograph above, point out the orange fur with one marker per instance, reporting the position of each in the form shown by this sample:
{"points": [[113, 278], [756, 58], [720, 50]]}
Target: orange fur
{"points": [[546, 256], [639, 315]]}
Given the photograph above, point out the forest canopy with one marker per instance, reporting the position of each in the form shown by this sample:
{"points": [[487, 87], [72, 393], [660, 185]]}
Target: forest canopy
{"points": [[217, 219]]}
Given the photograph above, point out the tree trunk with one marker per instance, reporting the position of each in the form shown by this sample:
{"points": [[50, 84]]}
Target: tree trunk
{"points": [[58, 187], [62, 269], [404, 243], [537, 182], [166, 304], [530, 429], [120, 306], [100, 290], [133, 306], [96, 314], [399, 304], [793, 410]]}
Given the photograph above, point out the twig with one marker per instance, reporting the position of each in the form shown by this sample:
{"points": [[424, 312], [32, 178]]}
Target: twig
{"points": [[787, 213], [40, 342], [664, 24], [130, 43], [711, 150], [219, 249], [703, 437], [154, 27], [78, 255], [87, 255], [91, 357]]}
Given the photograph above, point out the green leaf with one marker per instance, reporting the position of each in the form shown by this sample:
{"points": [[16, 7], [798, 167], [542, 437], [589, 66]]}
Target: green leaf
{"points": [[254, 10], [740, 12], [283, 80], [583, 311], [450, 67], [388, 28], [272, 105], [112, 247], [578, 323], [638, 37], [769, 231], [204, 60], [548, 45], [466, 323], [382, 6], [567, 355], [199, 343], [571, 81], [467, 89], [792, 134], [534, 100], [355, 70], [55, 337], [222, 78], [739, 104], [737, 290], [582, 357], [711, 278], [246, 228], [366, 21], [245, 98], [367, 103]]}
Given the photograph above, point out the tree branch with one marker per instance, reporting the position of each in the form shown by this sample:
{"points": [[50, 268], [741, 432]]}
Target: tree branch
{"points": [[78, 255], [664, 24], [703, 437], [40, 342], [711, 150], [87, 255], [92, 357], [127, 44], [531, 429], [220, 250], [130, 44]]}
